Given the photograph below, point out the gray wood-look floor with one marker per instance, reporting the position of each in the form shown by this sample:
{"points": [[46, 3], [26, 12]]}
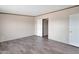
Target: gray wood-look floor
{"points": [[36, 45]]}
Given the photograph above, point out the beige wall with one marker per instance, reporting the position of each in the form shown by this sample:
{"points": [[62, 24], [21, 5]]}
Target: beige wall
{"points": [[58, 24], [13, 27]]}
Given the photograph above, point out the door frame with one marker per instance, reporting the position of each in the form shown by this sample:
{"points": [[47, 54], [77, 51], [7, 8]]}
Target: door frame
{"points": [[43, 26]]}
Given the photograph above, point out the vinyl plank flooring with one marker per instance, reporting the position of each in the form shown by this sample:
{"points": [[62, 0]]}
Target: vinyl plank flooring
{"points": [[36, 45]]}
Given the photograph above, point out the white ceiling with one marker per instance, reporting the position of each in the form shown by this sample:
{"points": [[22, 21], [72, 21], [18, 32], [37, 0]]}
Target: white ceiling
{"points": [[32, 10]]}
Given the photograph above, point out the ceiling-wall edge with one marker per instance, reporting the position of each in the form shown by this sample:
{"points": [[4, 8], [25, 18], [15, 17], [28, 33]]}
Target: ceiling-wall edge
{"points": [[59, 10], [16, 14]]}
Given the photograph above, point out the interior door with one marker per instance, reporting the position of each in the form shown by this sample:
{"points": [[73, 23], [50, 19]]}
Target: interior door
{"points": [[74, 30]]}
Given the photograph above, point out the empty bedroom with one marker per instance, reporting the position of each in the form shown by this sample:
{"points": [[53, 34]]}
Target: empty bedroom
{"points": [[39, 29]]}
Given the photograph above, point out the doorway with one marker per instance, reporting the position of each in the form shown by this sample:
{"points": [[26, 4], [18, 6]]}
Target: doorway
{"points": [[45, 28], [74, 30]]}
